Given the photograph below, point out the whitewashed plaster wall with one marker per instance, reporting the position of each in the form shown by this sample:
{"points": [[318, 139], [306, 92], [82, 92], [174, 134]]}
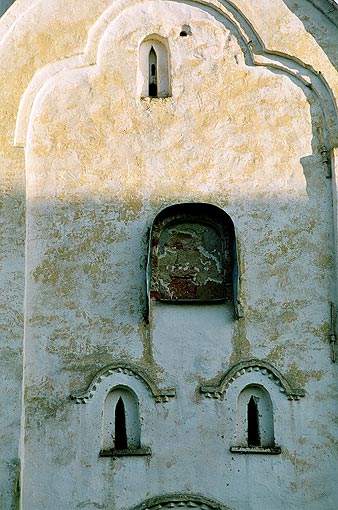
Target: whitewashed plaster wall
{"points": [[245, 130]]}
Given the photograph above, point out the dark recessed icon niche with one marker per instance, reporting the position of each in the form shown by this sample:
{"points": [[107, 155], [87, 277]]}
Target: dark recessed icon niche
{"points": [[192, 256]]}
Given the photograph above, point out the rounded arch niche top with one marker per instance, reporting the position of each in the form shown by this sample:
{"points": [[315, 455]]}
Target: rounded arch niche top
{"points": [[253, 51], [192, 255]]}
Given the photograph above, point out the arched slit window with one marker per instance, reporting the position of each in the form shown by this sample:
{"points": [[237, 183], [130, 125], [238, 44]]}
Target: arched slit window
{"points": [[121, 424], [192, 255], [255, 422], [153, 73]]}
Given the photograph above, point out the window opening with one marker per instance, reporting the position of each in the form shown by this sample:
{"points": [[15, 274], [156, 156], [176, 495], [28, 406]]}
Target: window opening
{"points": [[120, 426], [153, 77], [152, 73], [253, 422]]}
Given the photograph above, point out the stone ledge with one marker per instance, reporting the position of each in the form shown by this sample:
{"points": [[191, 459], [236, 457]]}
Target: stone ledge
{"points": [[274, 450], [128, 452]]}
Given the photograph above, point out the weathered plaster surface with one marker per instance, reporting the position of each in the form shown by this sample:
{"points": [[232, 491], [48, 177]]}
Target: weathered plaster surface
{"points": [[86, 166]]}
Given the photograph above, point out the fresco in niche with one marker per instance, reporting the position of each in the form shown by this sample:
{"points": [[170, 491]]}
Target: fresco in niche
{"points": [[191, 262]]}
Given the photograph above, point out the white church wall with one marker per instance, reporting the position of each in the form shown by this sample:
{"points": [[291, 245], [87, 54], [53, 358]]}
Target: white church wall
{"points": [[101, 161]]}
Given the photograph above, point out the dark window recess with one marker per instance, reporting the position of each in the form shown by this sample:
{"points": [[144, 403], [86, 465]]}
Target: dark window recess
{"points": [[253, 423], [192, 256], [120, 426], [152, 73]]}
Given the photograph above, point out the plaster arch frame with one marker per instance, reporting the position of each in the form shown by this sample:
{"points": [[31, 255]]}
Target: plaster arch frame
{"points": [[256, 54], [114, 374], [219, 388]]}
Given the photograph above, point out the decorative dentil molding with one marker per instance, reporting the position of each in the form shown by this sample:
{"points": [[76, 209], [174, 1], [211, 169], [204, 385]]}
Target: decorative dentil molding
{"points": [[179, 500], [253, 365], [160, 395]]}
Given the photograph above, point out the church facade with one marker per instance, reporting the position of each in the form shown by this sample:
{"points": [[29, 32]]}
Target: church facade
{"points": [[168, 255]]}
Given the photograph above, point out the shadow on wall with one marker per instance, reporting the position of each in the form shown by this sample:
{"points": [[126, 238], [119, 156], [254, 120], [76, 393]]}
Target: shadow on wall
{"points": [[88, 262], [311, 16]]}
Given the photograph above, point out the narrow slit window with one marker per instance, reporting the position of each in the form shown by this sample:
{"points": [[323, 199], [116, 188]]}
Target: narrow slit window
{"points": [[121, 423], [152, 73], [153, 77], [253, 423], [120, 426]]}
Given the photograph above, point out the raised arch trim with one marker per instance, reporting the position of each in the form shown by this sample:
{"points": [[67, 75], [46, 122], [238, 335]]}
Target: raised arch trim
{"points": [[253, 365], [160, 395], [254, 51], [179, 500]]}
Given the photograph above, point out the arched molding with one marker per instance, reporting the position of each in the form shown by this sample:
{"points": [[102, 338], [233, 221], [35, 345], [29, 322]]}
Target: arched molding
{"points": [[40, 79], [265, 368], [255, 52], [179, 500], [160, 395], [19, 8], [253, 48]]}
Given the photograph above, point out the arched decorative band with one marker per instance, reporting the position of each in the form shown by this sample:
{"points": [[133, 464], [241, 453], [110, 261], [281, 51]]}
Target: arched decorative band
{"points": [[180, 500], [253, 365], [160, 395], [253, 49]]}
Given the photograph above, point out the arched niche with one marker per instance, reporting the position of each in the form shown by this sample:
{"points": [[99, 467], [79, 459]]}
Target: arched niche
{"points": [[123, 392], [255, 395], [154, 74], [192, 255], [121, 421], [254, 423]]}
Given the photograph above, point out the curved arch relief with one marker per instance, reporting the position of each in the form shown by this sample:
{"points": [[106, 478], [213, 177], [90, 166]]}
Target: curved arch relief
{"points": [[160, 395], [255, 52], [217, 391], [39, 80], [180, 500], [253, 48]]}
